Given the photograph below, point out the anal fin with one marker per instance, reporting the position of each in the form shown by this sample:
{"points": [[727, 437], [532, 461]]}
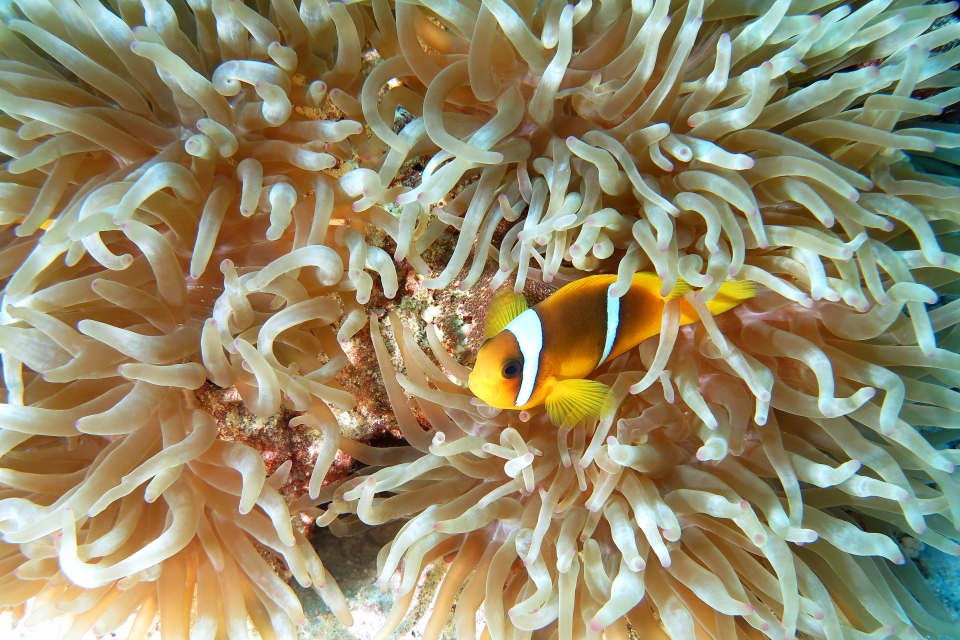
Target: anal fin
{"points": [[574, 401], [679, 290]]}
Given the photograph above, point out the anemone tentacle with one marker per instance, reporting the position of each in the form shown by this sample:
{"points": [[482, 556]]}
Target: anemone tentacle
{"points": [[212, 190]]}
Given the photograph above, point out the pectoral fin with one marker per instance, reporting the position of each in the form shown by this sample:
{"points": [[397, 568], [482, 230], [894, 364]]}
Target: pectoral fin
{"points": [[574, 401], [504, 307]]}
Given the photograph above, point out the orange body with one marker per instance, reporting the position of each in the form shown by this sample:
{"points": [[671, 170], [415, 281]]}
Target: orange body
{"points": [[572, 333]]}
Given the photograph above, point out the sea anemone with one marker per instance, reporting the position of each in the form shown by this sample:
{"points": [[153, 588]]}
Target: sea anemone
{"points": [[759, 467]]}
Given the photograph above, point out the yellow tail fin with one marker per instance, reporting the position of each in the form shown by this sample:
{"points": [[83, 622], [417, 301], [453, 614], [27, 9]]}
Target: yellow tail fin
{"points": [[731, 293]]}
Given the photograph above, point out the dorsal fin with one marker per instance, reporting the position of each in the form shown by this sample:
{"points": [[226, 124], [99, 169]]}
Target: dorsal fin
{"points": [[505, 306]]}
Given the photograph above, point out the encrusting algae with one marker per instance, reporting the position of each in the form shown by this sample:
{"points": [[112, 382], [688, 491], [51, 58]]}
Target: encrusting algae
{"points": [[229, 196]]}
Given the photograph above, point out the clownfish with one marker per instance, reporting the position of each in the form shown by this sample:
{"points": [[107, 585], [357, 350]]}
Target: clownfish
{"points": [[542, 355]]}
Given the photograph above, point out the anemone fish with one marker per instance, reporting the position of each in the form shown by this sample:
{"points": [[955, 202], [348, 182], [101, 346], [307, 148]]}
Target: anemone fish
{"points": [[543, 355]]}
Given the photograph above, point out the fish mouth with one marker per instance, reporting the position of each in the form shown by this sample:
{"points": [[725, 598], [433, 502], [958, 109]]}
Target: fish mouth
{"points": [[482, 390]]}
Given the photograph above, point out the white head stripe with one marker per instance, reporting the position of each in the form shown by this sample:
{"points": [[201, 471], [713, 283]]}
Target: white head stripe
{"points": [[527, 329], [613, 322]]}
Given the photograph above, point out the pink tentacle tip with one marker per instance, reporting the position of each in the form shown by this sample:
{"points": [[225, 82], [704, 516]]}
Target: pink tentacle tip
{"points": [[436, 526], [595, 625]]}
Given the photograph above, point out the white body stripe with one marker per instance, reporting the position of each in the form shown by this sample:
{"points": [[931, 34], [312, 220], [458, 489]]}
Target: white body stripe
{"points": [[528, 330], [613, 323]]}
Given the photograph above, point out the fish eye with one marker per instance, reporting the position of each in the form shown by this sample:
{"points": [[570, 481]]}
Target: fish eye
{"points": [[512, 369]]}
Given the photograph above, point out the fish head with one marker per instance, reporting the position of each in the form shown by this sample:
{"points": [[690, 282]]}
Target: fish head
{"points": [[496, 377]]}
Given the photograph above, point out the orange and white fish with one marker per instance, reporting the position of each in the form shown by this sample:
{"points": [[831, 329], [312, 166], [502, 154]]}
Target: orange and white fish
{"points": [[543, 355]]}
